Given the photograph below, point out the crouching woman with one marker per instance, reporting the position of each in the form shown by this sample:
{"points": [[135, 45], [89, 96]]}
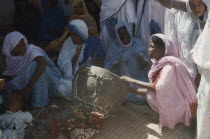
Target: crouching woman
{"points": [[171, 91]]}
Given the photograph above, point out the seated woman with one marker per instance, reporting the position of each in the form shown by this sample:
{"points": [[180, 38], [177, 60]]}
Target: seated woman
{"points": [[72, 54], [72, 50], [93, 52], [127, 56], [52, 21], [81, 12], [29, 70], [171, 92]]}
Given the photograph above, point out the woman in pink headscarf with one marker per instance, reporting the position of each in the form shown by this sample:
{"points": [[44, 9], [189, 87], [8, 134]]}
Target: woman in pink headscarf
{"points": [[171, 91]]}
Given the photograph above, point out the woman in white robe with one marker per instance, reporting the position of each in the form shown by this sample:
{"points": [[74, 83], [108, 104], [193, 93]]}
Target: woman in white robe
{"points": [[202, 58], [71, 55], [183, 28]]}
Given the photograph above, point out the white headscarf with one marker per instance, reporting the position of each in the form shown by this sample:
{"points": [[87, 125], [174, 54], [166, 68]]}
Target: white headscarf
{"points": [[201, 55], [15, 65], [80, 28]]}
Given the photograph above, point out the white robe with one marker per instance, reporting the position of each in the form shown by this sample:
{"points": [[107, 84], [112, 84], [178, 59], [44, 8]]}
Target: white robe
{"points": [[183, 29], [68, 51], [201, 56], [148, 10]]}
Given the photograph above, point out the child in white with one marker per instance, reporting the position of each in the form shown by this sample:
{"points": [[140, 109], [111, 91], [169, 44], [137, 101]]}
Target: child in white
{"points": [[14, 119]]}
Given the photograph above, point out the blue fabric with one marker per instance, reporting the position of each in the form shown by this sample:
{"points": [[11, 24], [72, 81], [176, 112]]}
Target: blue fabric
{"points": [[109, 24], [93, 45], [116, 51], [45, 85], [53, 19], [154, 27]]}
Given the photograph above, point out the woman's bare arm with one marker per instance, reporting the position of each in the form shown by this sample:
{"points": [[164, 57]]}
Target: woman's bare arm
{"points": [[179, 5], [41, 66], [137, 82], [138, 91], [176, 4]]}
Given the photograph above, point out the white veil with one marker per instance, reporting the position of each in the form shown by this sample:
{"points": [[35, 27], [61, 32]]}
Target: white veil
{"points": [[201, 55]]}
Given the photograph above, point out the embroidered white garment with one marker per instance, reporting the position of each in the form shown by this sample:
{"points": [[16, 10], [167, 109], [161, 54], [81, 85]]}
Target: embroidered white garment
{"points": [[201, 56]]}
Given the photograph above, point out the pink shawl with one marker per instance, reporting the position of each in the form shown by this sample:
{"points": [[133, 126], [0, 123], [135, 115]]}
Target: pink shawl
{"points": [[176, 99]]}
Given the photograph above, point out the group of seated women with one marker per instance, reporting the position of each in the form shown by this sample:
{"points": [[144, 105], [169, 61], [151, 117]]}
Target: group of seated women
{"points": [[157, 75]]}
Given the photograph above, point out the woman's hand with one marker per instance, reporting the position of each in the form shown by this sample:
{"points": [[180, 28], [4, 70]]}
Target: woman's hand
{"points": [[166, 3]]}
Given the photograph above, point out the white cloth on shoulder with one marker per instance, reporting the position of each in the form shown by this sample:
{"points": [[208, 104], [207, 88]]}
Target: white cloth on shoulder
{"points": [[68, 51]]}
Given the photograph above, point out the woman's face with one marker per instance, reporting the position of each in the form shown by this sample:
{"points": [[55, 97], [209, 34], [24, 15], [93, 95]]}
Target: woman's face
{"points": [[78, 9], [20, 49], [198, 7], [76, 39], [156, 52], [124, 35]]}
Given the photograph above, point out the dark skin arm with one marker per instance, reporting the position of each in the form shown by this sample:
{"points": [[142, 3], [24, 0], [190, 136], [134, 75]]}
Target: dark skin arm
{"points": [[41, 66], [138, 91], [145, 85], [180, 5], [176, 4]]}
